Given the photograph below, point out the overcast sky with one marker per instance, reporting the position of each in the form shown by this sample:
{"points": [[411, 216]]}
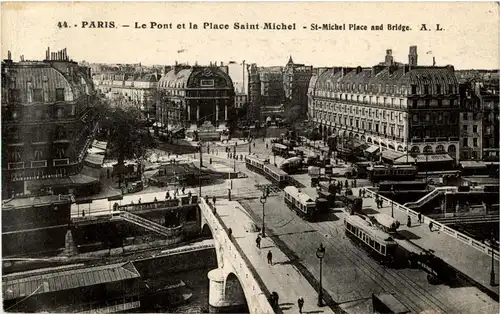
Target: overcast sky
{"points": [[469, 39]]}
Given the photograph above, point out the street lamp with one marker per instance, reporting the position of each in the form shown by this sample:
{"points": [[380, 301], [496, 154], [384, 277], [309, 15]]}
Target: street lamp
{"points": [[492, 273], [263, 201], [392, 202], [320, 253]]}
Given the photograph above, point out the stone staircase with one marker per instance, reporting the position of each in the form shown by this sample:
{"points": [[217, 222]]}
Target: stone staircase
{"points": [[145, 223], [430, 196]]}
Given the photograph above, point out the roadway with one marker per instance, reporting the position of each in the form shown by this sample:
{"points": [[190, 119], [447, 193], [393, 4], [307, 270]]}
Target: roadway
{"points": [[350, 275]]}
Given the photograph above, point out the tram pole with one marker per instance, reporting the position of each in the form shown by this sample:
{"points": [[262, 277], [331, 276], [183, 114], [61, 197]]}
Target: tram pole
{"points": [[492, 273]]}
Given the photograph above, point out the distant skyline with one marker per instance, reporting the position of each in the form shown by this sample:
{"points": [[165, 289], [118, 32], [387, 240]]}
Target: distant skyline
{"points": [[470, 39]]}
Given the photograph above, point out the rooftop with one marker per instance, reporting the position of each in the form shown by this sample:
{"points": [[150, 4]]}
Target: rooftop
{"points": [[66, 280], [24, 202]]}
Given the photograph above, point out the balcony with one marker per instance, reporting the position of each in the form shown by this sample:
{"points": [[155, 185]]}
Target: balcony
{"points": [[61, 162], [15, 165], [39, 164]]}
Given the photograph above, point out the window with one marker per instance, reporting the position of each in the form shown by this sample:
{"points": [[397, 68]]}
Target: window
{"points": [[465, 142], [15, 95], [426, 89], [465, 127], [474, 142], [452, 102], [474, 128], [427, 103], [465, 116], [450, 89], [438, 88], [59, 94], [440, 102], [415, 102], [37, 95], [414, 89]]}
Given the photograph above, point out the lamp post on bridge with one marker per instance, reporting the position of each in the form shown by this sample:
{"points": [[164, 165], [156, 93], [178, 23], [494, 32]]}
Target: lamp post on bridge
{"points": [[263, 200], [492, 273], [234, 158], [320, 253]]}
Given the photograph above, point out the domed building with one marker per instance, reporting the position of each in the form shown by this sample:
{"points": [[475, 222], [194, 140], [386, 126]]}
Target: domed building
{"points": [[391, 105], [191, 96], [48, 124]]}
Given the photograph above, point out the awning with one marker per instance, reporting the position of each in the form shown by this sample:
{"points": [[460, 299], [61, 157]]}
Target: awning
{"points": [[391, 155], [372, 149], [405, 159], [433, 158], [473, 165]]}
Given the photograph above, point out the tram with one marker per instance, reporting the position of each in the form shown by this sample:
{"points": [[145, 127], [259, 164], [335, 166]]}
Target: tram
{"points": [[395, 173], [378, 243], [263, 167], [291, 165], [280, 149], [300, 202]]}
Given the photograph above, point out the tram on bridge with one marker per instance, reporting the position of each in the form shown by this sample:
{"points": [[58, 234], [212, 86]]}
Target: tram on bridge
{"points": [[300, 202], [380, 244]]}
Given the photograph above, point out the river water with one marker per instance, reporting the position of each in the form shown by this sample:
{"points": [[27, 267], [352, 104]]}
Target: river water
{"points": [[191, 285]]}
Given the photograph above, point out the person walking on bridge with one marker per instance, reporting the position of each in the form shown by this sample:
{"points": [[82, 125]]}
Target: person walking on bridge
{"points": [[258, 241], [300, 302], [270, 257]]}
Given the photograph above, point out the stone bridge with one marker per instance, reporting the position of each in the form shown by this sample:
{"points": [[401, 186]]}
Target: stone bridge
{"points": [[233, 285]]}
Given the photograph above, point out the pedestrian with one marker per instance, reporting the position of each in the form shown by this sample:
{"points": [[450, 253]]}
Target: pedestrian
{"points": [[267, 146], [364, 192], [346, 184], [420, 218], [275, 298], [258, 241], [360, 193], [381, 202], [300, 302], [83, 213], [408, 223], [253, 144], [139, 200], [377, 201], [430, 226], [229, 232], [213, 199], [190, 194], [183, 190], [270, 257], [355, 183], [155, 200]]}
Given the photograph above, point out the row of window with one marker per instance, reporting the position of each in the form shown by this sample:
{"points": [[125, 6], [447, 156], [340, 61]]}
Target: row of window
{"points": [[368, 126], [388, 101], [34, 95], [387, 88], [465, 142], [358, 110], [16, 155]]}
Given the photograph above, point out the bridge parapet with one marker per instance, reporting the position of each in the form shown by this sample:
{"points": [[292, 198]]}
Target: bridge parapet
{"points": [[447, 230], [232, 263]]}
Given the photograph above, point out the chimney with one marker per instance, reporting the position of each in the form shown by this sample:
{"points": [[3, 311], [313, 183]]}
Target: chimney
{"points": [[9, 55], [221, 64], [389, 59], [413, 57]]}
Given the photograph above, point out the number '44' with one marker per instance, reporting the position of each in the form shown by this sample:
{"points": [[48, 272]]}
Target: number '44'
{"points": [[62, 25]]}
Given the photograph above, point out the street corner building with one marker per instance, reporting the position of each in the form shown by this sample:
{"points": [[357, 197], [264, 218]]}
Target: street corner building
{"points": [[395, 106], [48, 125], [192, 96]]}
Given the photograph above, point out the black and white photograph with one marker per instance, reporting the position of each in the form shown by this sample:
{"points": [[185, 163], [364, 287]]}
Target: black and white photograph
{"points": [[250, 157]]}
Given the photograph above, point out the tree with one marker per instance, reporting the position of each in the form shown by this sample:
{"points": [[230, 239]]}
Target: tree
{"points": [[293, 114], [128, 135]]}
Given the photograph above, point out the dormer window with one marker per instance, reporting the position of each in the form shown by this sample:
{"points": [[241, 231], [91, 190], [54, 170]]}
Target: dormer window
{"points": [[59, 94]]}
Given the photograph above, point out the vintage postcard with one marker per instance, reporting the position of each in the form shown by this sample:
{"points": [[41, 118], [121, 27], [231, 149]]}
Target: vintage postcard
{"points": [[250, 157]]}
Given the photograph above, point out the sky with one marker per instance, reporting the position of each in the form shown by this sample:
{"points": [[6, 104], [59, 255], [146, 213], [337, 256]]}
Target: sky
{"points": [[469, 39]]}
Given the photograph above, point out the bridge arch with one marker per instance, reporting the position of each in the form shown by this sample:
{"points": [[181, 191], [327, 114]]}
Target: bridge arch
{"points": [[234, 291]]}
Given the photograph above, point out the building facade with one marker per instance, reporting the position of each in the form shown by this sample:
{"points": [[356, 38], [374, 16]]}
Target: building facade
{"points": [[489, 99], [240, 100], [134, 88], [48, 121], [470, 123], [296, 78], [271, 86], [191, 95], [392, 105]]}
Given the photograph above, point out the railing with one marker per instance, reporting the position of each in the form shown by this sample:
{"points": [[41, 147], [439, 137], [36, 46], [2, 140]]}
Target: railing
{"points": [[449, 231], [174, 202], [430, 196], [239, 263]]}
